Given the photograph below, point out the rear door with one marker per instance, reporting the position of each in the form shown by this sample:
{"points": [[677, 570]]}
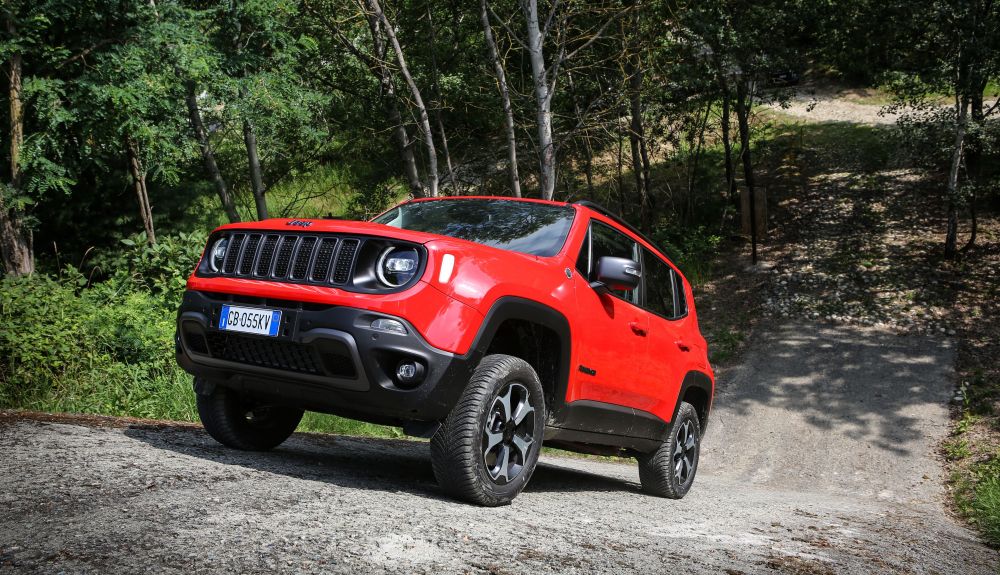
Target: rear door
{"points": [[668, 352], [611, 346]]}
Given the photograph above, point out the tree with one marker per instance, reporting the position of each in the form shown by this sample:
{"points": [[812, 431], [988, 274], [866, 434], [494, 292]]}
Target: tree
{"points": [[15, 238], [508, 110], [953, 46]]}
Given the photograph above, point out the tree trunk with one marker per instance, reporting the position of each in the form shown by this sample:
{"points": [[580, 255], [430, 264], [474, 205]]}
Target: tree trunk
{"points": [[138, 172], [543, 101], [951, 236], [423, 121], [207, 154], [973, 160], [436, 102], [15, 239], [588, 154], [401, 137], [508, 110], [695, 160], [727, 144], [743, 116], [637, 138], [620, 177], [256, 176]]}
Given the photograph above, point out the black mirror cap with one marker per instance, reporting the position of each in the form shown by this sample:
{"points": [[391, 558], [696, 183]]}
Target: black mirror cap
{"points": [[618, 273]]}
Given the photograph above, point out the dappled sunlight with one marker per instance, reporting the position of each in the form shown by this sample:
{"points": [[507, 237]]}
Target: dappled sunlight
{"points": [[820, 397]]}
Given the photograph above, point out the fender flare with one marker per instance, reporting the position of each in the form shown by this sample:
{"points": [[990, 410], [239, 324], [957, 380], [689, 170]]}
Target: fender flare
{"points": [[695, 379], [513, 307]]}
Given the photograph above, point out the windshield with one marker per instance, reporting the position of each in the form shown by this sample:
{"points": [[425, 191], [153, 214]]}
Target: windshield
{"points": [[526, 227]]}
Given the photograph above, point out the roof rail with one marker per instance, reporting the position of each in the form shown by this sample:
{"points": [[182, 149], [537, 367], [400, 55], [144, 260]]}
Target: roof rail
{"points": [[611, 215]]}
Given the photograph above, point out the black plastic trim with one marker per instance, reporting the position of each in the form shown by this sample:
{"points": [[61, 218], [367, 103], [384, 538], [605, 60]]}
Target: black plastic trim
{"points": [[700, 380], [512, 307], [372, 396]]}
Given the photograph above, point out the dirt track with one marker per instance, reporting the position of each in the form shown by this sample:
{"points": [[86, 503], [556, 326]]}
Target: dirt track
{"points": [[809, 467]]}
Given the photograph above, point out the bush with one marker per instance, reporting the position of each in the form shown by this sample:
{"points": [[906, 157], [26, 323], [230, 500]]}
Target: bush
{"points": [[161, 269], [691, 249], [104, 349]]}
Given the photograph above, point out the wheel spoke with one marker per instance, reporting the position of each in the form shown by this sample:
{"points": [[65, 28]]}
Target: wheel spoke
{"points": [[689, 444], [492, 440], [504, 463], [523, 410], [505, 402], [522, 445]]}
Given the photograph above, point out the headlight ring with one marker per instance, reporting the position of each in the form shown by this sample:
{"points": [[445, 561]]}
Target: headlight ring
{"points": [[397, 266]]}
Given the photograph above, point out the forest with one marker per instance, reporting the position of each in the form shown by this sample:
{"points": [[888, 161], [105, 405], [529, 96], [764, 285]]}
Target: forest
{"points": [[132, 128]]}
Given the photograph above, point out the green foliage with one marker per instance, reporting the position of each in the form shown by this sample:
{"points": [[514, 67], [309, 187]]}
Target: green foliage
{"points": [[978, 498], [107, 349], [160, 269], [692, 249]]}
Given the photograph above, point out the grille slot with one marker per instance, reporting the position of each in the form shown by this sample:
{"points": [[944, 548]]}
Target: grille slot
{"points": [[302, 257], [249, 254], [345, 261], [266, 256], [233, 254], [324, 259], [284, 257]]}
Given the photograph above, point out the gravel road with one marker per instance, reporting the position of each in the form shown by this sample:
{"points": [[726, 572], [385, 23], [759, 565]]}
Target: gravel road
{"points": [[819, 459]]}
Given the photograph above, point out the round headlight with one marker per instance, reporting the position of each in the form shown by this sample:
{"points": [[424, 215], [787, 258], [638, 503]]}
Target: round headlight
{"points": [[217, 254], [397, 266]]}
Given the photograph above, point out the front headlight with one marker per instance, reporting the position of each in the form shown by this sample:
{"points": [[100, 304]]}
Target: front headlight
{"points": [[397, 266], [217, 254]]}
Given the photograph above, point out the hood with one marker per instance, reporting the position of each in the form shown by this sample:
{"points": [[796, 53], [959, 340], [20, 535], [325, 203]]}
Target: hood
{"points": [[306, 225]]}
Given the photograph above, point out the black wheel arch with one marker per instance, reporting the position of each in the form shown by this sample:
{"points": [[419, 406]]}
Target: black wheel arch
{"points": [[698, 390], [511, 311]]}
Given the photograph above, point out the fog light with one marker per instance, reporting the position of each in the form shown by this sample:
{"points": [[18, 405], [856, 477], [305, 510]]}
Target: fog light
{"points": [[389, 325], [409, 372]]}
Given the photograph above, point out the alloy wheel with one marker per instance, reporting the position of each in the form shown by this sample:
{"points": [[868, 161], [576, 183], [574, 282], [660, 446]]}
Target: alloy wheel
{"points": [[685, 452], [508, 433]]}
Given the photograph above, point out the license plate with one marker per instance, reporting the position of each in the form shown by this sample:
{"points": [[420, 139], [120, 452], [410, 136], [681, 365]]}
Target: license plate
{"points": [[250, 320]]}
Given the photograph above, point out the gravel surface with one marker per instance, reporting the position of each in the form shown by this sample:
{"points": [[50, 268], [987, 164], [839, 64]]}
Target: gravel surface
{"points": [[818, 460]]}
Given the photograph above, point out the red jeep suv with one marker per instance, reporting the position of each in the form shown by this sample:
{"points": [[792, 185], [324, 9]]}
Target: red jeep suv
{"points": [[489, 325]]}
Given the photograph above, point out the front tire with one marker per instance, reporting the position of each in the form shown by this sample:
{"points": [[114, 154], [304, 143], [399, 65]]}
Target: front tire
{"points": [[488, 446], [669, 471], [241, 422]]}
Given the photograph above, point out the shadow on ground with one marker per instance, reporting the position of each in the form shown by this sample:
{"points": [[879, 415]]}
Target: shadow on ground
{"points": [[389, 465]]}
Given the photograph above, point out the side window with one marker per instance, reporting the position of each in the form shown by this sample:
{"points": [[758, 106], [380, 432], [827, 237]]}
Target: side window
{"points": [[682, 304], [583, 260], [606, 241], [659, 288]]}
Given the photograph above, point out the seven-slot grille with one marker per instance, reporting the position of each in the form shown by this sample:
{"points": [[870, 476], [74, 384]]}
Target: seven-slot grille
{"points": [[316, 259]]}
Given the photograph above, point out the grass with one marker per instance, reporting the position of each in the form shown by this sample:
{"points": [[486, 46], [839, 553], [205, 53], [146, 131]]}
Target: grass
{"points": [[323, 423]]}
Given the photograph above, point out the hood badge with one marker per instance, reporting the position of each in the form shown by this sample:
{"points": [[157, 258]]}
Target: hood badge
{"points": [[299, 223]]}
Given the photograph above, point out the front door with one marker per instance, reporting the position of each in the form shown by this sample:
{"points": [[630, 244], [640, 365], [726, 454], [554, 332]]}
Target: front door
{"points": [[611, 347]]}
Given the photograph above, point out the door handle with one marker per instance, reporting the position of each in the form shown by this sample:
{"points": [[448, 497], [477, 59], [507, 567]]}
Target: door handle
{"points": [[682, 346], [637, 329]]}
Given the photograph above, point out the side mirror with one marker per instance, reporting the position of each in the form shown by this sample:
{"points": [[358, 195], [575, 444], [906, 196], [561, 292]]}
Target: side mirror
{"points": [[617, 273]]}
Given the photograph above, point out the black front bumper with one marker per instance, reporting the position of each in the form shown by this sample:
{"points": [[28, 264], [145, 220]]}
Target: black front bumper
{"points": [[324, 358]]}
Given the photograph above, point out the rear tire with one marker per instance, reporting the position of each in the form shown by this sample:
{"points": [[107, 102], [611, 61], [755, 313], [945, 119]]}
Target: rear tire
{"points": [[241, 422], [488, 446], [669, 471]]}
